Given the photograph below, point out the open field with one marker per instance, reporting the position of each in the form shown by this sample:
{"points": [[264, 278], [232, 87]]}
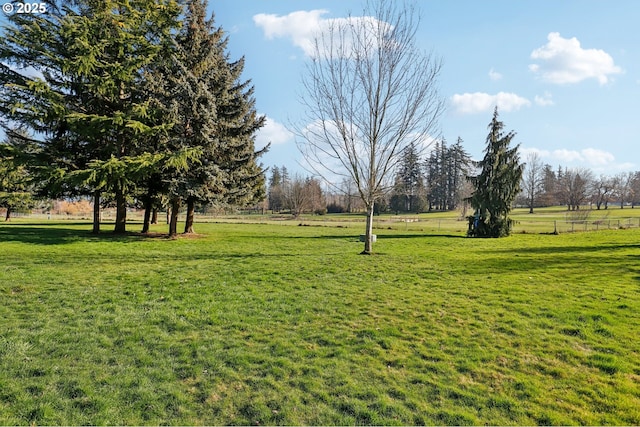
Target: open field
{"points": [[282, 324], [544, 220]]}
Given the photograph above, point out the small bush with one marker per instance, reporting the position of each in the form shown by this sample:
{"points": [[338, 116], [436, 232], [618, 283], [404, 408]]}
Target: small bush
{"points": [[335, 208]]}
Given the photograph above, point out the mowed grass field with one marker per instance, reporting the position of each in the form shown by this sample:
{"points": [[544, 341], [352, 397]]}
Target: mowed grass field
{"points": [[258, 324]]}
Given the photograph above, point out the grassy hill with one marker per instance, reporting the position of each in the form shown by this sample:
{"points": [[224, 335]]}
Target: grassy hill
{"points": [[279, 324]]}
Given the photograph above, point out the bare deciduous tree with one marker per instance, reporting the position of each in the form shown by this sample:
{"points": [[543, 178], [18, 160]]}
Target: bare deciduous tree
{"points": [[574, 186], [369, 93], [624, 191], [603, 190], [533, 179]]}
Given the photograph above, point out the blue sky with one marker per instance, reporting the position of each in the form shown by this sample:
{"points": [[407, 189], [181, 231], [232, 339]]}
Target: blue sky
{"points": [[564, 74]]}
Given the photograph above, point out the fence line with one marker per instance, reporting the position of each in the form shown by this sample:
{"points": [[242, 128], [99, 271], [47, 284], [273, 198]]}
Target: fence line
{"points": [[548, 226], [392, 222], [572, 226]]}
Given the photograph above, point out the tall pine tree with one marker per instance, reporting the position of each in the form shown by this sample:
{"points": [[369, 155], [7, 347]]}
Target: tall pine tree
{"points": [[16, 184], [497, 185], [213, 110], [408, 191], [87, 102], [446, 168]]}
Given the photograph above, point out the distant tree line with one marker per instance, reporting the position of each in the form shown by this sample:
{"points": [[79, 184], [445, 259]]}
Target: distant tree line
{"points": [[576, 188], [296, 194], [441, 182], [133, 103], [435, 183]]}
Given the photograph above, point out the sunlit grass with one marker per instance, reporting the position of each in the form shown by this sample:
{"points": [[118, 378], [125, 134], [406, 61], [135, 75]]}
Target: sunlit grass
{"points": [[280, 324]]}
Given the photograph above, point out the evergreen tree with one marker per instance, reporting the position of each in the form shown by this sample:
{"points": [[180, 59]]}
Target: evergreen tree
{"points": [[446, 168], [214, 111], [16, 185], [276, 190], [276, 178], [408, 190], [549, 196], [435, 173], [88, 102], [497, 185], [284, 176], [460, 165]]}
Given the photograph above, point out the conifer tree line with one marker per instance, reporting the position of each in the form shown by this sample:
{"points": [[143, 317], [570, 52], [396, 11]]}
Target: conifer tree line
{"points": [[130, 102], [435, 183], [421, 184], [295, 194], [448, 179]]}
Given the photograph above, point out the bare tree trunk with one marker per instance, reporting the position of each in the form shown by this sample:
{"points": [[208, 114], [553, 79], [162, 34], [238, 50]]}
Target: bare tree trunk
{"points": [[8, 215], [147, 215], [121, 211], [173, 223], [96, 212], [154, 216], [373, 93], [368, 237], [191, 208]]}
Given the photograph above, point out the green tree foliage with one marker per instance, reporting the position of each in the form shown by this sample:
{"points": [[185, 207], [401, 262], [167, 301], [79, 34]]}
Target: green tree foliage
{"points": [[277, 183], [214, 110], [16, 184], [87, 101], [409, 191], [497, 185], [125, 101], [446, 168]]}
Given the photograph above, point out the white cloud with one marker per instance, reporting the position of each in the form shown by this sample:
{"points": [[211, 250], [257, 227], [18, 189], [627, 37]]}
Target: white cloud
{"points": [[304, 27], [274, 133], [564, 155], [592, 157], [597, 157], [494, 75], [525, 151], [544, 100], [564, 61], [479, 102], [300, 27]]}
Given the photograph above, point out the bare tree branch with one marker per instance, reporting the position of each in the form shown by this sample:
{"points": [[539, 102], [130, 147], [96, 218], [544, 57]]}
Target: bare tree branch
{"points": [[369, 92]]}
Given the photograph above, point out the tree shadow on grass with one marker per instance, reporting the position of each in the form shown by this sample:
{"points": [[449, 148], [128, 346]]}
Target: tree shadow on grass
{"points": [[419, 235], [543, 258], [55, 234], [378, 236], [546, 250]]}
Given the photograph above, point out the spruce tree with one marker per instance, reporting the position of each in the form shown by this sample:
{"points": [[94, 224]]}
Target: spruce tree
{"points": [[276, 190], [87, 103], [497, 185], [214, 111], [409, 182], [16, 183], [460, 164]]}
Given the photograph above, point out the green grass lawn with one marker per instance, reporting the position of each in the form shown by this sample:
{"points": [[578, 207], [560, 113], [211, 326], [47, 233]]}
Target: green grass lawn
{"points": [[543, 220], [277, 324]]}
